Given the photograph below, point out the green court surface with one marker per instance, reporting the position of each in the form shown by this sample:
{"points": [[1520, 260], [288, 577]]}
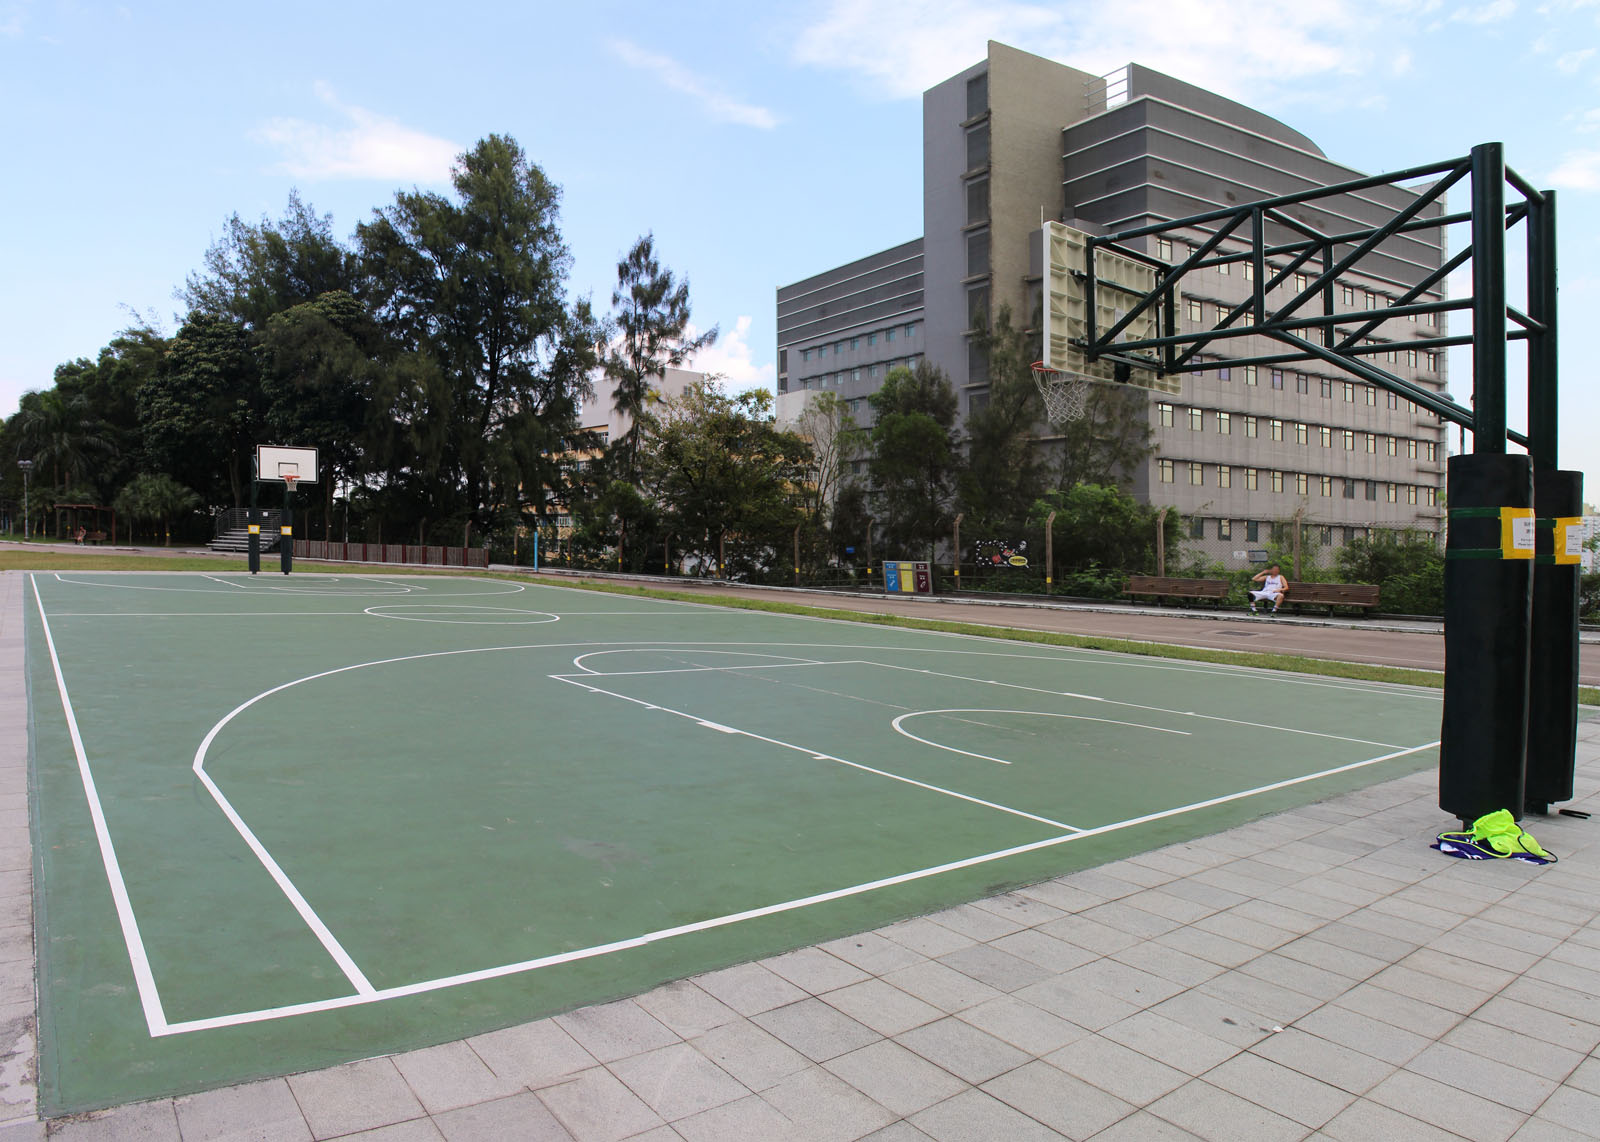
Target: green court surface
{"points": [[285, 822]]}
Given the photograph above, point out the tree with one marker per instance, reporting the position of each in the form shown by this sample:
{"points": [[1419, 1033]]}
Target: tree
{"points": [[1005, 471], [914, 455], [1110, 440], [1097, 525], [110, 387], [827, 426], [59, 429], [253, 272], [718, 465], [651, 315], [156, 497], [477, 286]]}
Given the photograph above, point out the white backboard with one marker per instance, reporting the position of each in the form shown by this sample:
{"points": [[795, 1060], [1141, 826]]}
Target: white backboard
{"points": [[274, 462]]}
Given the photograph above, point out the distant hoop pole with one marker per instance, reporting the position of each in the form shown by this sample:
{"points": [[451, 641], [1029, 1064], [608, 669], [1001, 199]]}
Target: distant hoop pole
{"points": [[1065, 395], [286, 529]]}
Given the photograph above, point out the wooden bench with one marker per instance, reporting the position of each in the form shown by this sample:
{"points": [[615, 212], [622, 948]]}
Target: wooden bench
{"points": [[94, 537], [1332, 595], [1165, 586]]}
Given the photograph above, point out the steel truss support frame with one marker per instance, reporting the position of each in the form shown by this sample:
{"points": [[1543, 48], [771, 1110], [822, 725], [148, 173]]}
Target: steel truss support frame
{"points": [[1510, 702]]}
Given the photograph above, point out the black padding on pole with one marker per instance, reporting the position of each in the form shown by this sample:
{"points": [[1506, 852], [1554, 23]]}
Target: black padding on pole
{"points": [[1553, 673], [1487, 615]]}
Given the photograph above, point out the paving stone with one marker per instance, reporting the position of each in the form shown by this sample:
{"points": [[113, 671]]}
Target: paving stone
{"points": [[1217, 1016], [823, 1108], [944, 987], [416, 1130], [1329, 1062], [1535, 1130], [978, 1117], [746, 1120], [1520, 1051], [1172, 907], [1124, 917], [814, 970], [1059, 894], [1220, 950], [1481, 977], [1221, 1116], [749, 1054], [595, 1106], [1263, 936], [1039, 948], [678, 1081], [1091, 935], [895, 1078], [1551, 997], [1020, 909], [137, 1122], [1171, 1043], [989, 965], [1272, 1003], [261, 1111], [1307, 1100], [980, 924], [897, 1132], [532, 1054], [1024, 1026], [1363, 1033], [356, 1096], [1490, 1078], [873, 953], [451, 1075], [1586, 1076], [1168, 963], [1143, 1127], [1320, 953], [685, 1008], [1078, 1002], [924, 936], [1059, 1100], [885, 1009], [1575, 1109], [520, 1118], [749, 988], [1117, 1070], [1285, 971], [1446, 1107], [615, 1030], [1365, 1121], [816, 1030], [962, 1049], [1398, 1010]]}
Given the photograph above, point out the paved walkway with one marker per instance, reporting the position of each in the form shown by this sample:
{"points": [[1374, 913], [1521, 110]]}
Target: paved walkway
{"points": [[1316, 974]]}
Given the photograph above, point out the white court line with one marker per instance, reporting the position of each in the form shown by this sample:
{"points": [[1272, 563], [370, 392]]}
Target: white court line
{"points": [[225, 583], [1141, 706], [208, 614], [750, 914], [787, 660], [815, 754], [1038, 713], [149, 997]]}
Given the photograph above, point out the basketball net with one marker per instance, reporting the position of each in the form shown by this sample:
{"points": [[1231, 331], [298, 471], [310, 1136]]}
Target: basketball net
{"points": [[289, 481], [1065, 395]]}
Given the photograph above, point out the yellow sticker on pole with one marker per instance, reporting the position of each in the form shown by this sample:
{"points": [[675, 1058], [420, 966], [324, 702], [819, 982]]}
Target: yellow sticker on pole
{"points": [[1570, 534], [255, 529], [286, 530], [1516, 533]]}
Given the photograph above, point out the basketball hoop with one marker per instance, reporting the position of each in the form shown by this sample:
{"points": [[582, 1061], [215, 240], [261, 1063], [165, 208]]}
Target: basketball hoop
{"points": [[1065, 395], [288, 481]]}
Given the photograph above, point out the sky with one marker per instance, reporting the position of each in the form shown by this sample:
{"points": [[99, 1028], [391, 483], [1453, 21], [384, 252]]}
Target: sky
{"points": [[760, 143]]}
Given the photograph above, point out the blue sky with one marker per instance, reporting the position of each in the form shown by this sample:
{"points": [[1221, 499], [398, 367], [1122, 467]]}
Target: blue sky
{"points": [[760, 142]]}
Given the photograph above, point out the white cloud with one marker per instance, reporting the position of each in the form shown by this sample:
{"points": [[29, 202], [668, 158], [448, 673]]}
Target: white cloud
{"points": [[363, 145], [1231, 46], [1572, 61], [721, 107], [1578, 170], [1492, 12], [731, 359]]}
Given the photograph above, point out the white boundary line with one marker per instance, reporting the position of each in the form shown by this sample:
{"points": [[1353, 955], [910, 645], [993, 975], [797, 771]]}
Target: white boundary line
{"points": [[899, 729], [750, 914], [149, 998]]}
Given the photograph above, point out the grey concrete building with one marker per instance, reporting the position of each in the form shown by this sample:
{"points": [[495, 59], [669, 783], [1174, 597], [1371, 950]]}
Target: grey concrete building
{"points": [[1017, 139]]}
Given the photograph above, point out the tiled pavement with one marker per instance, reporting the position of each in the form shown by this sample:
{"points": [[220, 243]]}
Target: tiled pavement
{"points": [[1316, 974]]}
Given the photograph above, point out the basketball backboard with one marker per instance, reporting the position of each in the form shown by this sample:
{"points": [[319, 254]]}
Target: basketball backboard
{"points": [[1119, 283], [274, 463]]}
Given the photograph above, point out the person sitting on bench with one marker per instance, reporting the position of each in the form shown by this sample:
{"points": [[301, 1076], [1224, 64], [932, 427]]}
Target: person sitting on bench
{"points": [[1273, 586]]}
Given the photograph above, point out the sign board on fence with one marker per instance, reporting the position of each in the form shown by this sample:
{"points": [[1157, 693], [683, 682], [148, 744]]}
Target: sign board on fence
{"points": [[907, 577]]}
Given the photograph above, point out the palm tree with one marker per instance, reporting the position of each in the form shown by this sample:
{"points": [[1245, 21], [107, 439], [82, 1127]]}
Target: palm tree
{"points": [[61, 431]]}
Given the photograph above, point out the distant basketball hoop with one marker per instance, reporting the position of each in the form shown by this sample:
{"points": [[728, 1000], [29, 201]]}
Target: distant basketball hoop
{"points": [[1065, 395]]}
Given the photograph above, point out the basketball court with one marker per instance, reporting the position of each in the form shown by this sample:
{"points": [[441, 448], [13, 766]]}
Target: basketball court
{"points": [[284, 822]]}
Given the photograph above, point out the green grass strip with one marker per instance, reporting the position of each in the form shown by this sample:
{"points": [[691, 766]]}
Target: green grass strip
{"points": [[1290, 663]]}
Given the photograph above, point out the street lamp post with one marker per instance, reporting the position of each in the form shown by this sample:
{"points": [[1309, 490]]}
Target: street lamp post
{"points": [[26, 466]]}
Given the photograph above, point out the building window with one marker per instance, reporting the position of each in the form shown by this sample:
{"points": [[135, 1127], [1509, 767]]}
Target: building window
{"points": [[1249, 374], [1326, 434], [805, 354], [888, 334], [1349, 440], [978, 307], [855, 374], [911, 330], [1224, 529], [1301, 281], [977, 364], [1372, 395], [1347, 295], [1327, 388], [1249, 270], [1225, 423], [1411, 493], [1275, 429], [1252, 480], [1301, 433], [1250, 426], [1394, 401], [1277, 378], [1393, 445], [1197, 420], [978, 200], [871, 372], [1302, 483], [1372, 300], [1372, 444], [1164, 414], [977, 253], [1372, 489], [1277, 481], [978, 146], [1411, 449], [1223, 374], [977, 95], [1327, 485], [1196, 473], [1164, 249], [1302, 383], [1197, 528], [978, 401], [1196, 310], [872, 338], [1167, 471], [1349, 489], [1224, 476], [1431, 497], [1350, 392], [1252, 532], [1433, 451], [1392, 492]]}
